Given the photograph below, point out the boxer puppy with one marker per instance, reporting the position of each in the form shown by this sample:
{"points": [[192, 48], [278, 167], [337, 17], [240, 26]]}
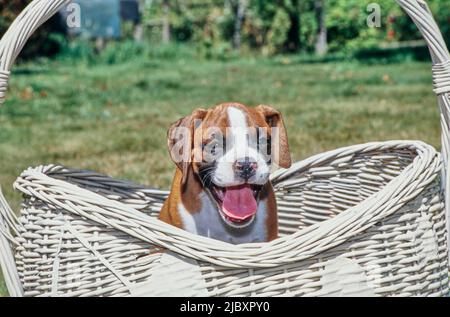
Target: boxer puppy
{"points": [[221, 188]]}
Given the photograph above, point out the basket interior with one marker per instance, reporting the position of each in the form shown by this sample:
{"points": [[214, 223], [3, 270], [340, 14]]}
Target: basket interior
{"points": [[322, 191]]}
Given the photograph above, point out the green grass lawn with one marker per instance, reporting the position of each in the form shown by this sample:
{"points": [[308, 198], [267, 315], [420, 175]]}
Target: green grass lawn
{"points": [[114, 118]]}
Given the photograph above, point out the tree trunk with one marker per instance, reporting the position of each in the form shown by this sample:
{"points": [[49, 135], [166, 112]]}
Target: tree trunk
{"points": [[166, 22], [321, 41], [138, 28], [240, 14], [293, 43]]}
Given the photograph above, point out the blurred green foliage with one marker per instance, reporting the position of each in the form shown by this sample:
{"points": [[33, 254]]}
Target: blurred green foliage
{"points": [[270, 26], [347, 23], [119, 52], [128, 50], [278, 33]]}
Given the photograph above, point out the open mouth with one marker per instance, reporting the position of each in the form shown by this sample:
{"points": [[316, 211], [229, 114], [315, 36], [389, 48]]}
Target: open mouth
{"points": [[237, 204]]}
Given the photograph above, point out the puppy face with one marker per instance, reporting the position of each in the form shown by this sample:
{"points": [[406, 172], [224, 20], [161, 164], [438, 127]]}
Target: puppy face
{"points": [[232, 149]]}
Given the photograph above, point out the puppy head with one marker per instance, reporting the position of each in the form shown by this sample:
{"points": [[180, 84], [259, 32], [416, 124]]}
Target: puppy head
{"points": [[232, 148]]}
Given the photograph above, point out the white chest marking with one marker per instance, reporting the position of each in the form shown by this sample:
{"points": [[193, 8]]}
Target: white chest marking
{"points": [[187, 219], [208, 223]]}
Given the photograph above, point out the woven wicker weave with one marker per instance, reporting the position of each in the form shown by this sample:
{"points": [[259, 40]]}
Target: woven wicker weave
{"points": [[363, 220]]}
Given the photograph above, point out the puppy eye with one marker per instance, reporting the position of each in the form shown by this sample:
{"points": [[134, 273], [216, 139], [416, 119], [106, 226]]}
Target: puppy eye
{"points": [[264, 141], [265, 146], [210, 147]]}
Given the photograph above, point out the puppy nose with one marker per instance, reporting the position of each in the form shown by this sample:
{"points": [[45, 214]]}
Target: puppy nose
{"points": [[245, 167]]}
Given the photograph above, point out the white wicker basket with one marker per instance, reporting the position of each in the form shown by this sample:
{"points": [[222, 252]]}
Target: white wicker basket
{"points": [[363, 220]]}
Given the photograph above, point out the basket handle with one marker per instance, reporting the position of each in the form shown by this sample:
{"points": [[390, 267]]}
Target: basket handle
{"points": [[13, 41], [423, 18]]}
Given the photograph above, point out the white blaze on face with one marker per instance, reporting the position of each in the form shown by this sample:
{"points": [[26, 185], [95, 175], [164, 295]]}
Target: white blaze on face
{"points": [[238, 146]]}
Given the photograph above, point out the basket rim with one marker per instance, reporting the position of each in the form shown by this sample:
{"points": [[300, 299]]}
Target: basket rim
{"points": [[303, 244]]}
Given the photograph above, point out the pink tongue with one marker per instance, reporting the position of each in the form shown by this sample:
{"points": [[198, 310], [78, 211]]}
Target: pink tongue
{"points": [[239, 202]]}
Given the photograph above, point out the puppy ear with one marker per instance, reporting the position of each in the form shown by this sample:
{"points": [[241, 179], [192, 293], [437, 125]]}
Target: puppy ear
{"points": [[180, 141], [280, 146]]}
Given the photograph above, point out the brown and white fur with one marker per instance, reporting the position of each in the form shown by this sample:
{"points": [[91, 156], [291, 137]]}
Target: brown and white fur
{"points": [[193, 204]]}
